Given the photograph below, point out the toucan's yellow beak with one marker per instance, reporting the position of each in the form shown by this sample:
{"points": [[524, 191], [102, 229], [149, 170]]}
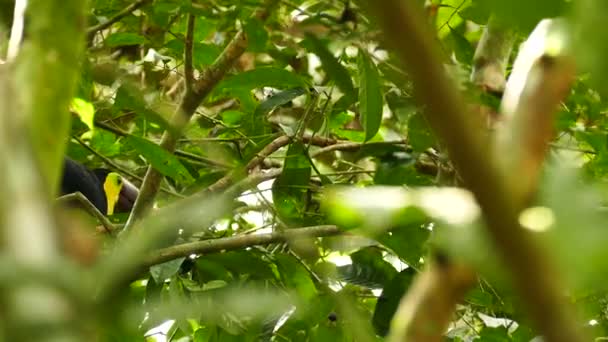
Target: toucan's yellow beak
{"points": [[112, 187]]}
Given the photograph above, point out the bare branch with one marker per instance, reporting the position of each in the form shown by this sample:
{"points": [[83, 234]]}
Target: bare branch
{"points": [[353, 146], [89, 208], [269, 149], [237, 242]]}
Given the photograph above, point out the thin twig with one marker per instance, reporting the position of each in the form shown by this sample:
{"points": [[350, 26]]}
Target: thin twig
{"points": [[89, 208], [229, 178], [183, 154], [353, 146], [126, 11], [573, 149]]}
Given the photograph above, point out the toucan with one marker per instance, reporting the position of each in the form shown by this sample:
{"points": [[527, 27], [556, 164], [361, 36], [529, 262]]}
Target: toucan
{"points": [[108, 191]]}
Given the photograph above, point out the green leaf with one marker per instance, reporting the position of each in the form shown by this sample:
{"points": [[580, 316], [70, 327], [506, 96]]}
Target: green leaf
{"points": [[521, 14], [277, 100], [368, 268], [166, 270], [462, 48], [290, 189], [497, 334], [85, 111], [258, 78], [400, 169], [407, 240], [256, 36], [590, 41], [296, 276], [202, 54], [370, 95], [105, 143], [128, 98], [477, 12], [239, 263], [334, 69], [419, 133], [124, 39], [389, 300], [164, 162], [232, 117]]}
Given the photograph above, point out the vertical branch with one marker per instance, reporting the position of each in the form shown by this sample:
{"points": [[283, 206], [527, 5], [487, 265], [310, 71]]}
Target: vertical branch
{"points": [[533, 274], [16, 30], [201, 87], [433, 297], [188, 69], [47, 74], [538, 83], [35, 91], [429, 304], [492, 56]]}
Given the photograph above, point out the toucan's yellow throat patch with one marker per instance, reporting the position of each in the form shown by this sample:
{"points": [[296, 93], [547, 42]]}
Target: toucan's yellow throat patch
{"points": [[112, 187]]}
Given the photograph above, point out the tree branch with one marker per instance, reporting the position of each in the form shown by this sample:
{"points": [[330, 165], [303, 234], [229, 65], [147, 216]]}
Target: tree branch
{"points": [[353, 146], [89, 208], [437, 290], [492, 56], [430, 302], [237, 242], [188, 69]]}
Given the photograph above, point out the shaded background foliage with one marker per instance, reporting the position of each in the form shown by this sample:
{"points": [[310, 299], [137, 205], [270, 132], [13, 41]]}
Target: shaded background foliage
{"points": [[316, 101]]}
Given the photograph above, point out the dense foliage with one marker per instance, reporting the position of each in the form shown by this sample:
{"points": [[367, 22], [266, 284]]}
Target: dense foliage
{"points": [[299, 192]]}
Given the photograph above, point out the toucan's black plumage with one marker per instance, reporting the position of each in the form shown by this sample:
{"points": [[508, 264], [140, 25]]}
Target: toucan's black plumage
{"points": [[78, 178]]}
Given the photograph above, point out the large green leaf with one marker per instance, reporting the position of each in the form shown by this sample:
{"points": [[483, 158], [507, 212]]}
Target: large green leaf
{"points": [[368, 268], [334, 69], [258, 78], [256, 36], [290, 189], [296, 276], [165, 270], [129, 98], [389, 300], [277, 100], [163, 161], [419, 133], [123, 39], [370, 95]]}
